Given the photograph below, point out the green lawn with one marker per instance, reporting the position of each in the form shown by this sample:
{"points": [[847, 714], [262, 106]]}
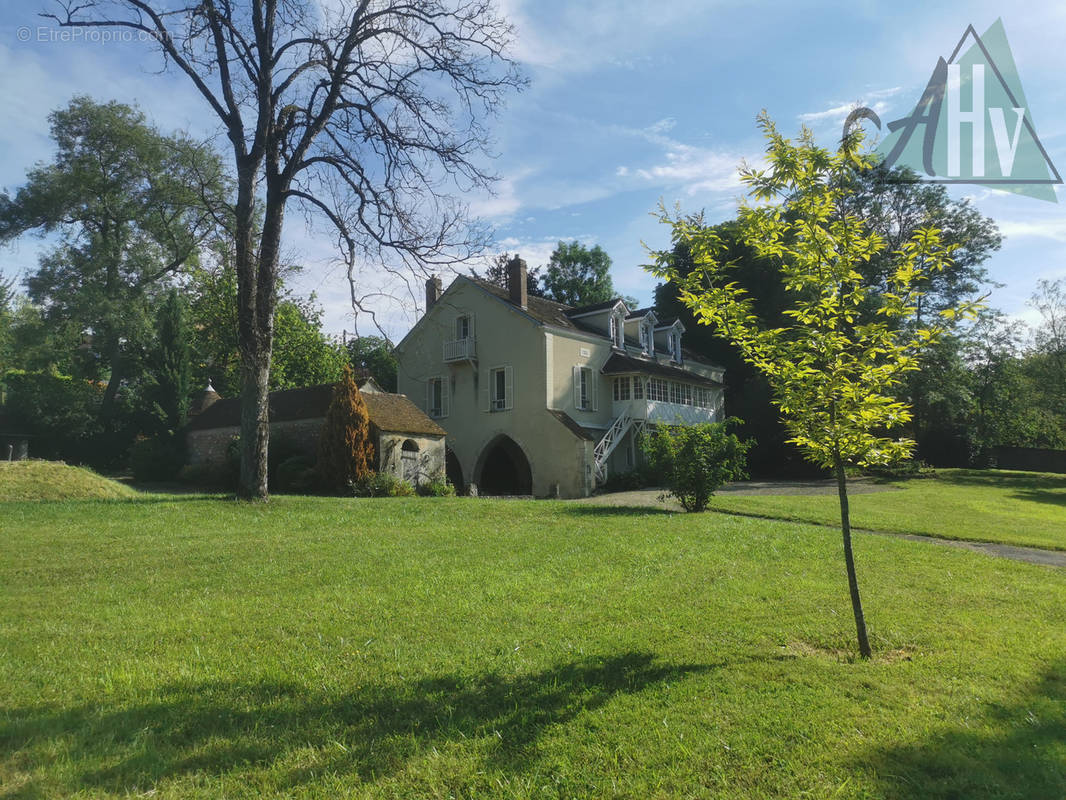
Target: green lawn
{"points": [[440, 648], [54, 480], [1020, 508]]}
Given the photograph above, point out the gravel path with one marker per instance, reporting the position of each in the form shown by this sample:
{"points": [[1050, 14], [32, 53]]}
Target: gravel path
{"points": [[649, 498]]}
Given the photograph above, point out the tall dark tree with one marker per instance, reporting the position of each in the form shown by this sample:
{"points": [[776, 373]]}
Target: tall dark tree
{"points": [[578, 275], [131, 208], [496, 273], [361, 112], [170, 365], [375, 355]]}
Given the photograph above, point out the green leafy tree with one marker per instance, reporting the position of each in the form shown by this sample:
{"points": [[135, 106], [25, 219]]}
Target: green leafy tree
{"points": [[345, 450], [834, 375], [303, 354], [578, 276], [131, 208], [375, 354], [695, 460]]}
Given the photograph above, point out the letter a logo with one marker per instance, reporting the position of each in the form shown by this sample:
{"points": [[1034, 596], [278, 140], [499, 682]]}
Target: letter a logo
{"points": [[973, 124]]}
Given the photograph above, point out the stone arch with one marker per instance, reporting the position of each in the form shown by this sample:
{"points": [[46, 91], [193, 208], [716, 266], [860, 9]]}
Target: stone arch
{"points": [[503, 468], [453, 470]]}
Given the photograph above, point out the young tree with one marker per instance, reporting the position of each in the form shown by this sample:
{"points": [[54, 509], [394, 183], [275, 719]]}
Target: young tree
{"points": [[345, 452], [131, 207], [362, 113], [578, 276], [833, 374]]}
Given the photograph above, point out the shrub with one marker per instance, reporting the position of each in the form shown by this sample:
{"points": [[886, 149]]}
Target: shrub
{"points": [[693, 461], [296, 475], [156, 459], [345, 452], [381, 484], [437, 486]]}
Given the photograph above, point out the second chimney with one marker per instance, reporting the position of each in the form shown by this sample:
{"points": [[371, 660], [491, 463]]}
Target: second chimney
{"points": [[516, 282], [433, 292]]}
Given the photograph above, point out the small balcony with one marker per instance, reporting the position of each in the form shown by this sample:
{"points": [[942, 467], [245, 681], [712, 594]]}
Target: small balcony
{"points": [[460, 350]]}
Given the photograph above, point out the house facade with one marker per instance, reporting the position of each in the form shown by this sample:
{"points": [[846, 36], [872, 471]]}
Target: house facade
{"points": [[544, 399]]}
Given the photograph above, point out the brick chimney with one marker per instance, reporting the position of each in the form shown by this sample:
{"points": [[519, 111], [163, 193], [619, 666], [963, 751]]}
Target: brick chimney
{"points": [[516, 282], [434, 289]]}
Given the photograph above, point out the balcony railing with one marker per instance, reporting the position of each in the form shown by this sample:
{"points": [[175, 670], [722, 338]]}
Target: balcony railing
{"points": [[657, 411], [460, 350]]}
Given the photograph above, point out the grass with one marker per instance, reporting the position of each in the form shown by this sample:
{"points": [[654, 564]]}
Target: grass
{"points": [[1017, 508], [54, 480], [415, 648]]}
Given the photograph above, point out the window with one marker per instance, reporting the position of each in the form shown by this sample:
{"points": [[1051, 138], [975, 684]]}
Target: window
{"points": [[638, 388], [675, 392], [437, 397], [463, 328], [584, 389], [686, 394], [621, 388], [644, 337], [501, 389], [657, 390]]}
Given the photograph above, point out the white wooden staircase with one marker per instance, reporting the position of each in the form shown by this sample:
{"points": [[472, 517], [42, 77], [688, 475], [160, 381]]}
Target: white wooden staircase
{"points": [[605, 446]]}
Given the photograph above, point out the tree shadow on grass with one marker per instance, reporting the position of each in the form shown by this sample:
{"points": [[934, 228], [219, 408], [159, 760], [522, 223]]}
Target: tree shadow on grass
{"points": [[594, 510], [215, 728], [1014, 751]]}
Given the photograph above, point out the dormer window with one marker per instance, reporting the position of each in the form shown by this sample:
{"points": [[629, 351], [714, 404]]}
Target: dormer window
{"points": [[673, 344], [647, 339], [617, 329]]}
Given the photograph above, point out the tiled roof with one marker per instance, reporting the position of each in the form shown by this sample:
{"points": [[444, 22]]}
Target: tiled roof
{"points": [[542, 310], [389, 412], [573, 312], [619, 364]]}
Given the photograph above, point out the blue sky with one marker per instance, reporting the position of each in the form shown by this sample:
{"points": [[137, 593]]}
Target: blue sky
{"points": [[629, 103]]}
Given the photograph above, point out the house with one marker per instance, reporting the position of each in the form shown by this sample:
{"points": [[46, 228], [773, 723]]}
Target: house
{"points": [[406, 442], [541, 398]]}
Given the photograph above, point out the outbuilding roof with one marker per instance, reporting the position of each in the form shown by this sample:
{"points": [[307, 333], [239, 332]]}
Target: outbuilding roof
{"points": [[389, 412]]}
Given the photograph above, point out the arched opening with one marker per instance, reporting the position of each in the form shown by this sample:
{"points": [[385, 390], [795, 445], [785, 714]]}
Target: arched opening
{"points": [[454, 471], [504, 469], [409, 461]]}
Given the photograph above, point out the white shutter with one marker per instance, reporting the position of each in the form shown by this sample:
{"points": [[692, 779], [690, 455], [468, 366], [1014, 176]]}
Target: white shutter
{"points": [[471, 324], [594, 389], [429, 396], [486, 393], [445, 395], [577, 387], [508, 387]]}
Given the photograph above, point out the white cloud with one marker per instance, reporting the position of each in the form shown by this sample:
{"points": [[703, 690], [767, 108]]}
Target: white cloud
{"points": [[1053, 228], [837, 114]]}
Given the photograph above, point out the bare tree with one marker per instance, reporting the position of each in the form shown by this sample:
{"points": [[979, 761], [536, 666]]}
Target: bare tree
{"points": [[367, 113]]}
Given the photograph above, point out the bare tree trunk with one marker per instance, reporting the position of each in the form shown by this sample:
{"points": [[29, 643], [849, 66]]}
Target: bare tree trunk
{"points": [[849, 558], [254, 344]]}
